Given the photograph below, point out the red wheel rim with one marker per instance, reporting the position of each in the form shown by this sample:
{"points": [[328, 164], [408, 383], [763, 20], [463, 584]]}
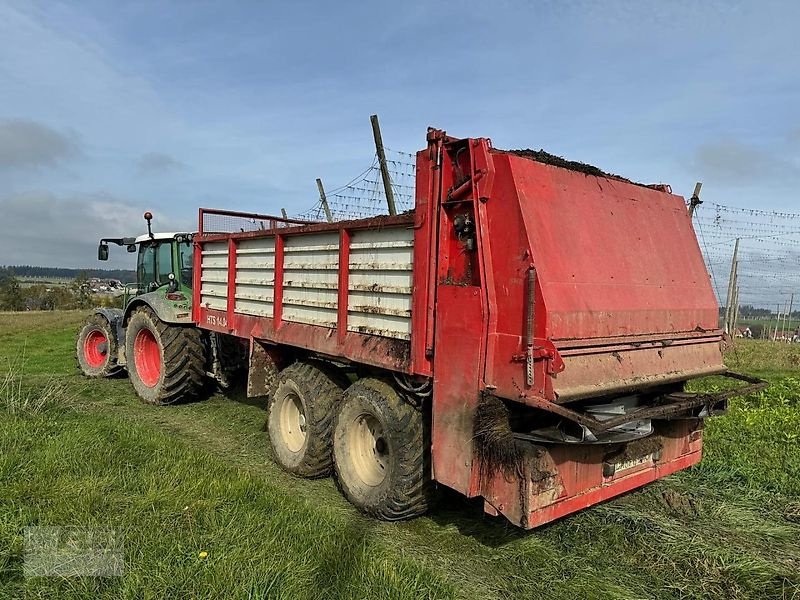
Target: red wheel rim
{"points": [[95, 349], [147, 357]]}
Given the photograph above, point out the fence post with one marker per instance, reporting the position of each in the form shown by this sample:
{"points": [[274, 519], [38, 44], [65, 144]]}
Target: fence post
{"points": [[387, 180], [695, 201], [324, 200], [731, 284]]}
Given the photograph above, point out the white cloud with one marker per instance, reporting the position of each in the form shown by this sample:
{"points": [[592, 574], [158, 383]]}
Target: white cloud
{"points": [[42, 229]]}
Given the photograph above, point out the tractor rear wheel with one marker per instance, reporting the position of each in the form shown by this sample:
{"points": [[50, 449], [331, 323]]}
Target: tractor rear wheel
{"points": [[166, 363], [96, 348], [380, 452], [300, 418]]}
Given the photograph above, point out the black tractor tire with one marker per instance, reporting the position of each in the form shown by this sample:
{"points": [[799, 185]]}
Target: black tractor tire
{"points": [[381, 454], [300, 418], [96, 348], [166, 363]]}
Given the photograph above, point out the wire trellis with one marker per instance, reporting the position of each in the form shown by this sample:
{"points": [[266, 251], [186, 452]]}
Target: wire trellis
{"points": [[768, 271], [364, 196]]}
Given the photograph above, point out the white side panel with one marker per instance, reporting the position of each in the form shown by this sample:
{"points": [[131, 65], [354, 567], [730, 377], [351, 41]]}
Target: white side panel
{"points": [[255, 277], [310, 278], [214, 275], [379, 296]]}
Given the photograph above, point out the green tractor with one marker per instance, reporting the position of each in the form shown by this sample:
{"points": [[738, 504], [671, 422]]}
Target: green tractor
{"points": [[153, 338]]}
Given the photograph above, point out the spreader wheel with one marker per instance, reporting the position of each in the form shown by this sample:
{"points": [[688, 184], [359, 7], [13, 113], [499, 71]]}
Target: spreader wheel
{"points": [[300, 418], [96, 348], [380, 453], [165, 362]]}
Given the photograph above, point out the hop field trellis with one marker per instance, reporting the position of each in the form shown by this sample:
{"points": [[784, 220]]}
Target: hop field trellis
{"points": [[364, 196], [767, 260]]}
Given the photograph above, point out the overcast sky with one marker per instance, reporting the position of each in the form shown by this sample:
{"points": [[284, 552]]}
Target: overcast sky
{"points": [[111, 108]]}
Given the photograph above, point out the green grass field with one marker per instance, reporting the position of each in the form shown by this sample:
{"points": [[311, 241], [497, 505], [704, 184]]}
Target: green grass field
{"points": [[184, 480]]}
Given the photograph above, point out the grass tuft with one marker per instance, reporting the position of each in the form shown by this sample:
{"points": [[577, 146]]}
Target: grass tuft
{"points": [[19, 398]]}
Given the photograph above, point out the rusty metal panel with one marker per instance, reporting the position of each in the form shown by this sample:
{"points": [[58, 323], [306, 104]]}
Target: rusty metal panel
{"points": [[263, 370], [255, 276], [617, 370], [214, 275], [380, 282], [553, 481]]}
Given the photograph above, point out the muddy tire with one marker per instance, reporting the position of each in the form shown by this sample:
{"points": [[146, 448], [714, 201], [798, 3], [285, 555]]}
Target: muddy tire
{"points": [[380, 452], [96, 348], [165, 362], [300, 418]]}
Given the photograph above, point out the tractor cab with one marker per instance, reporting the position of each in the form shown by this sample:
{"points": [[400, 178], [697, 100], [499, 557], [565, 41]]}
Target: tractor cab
{"points": [[163, 271], [165, 259]]}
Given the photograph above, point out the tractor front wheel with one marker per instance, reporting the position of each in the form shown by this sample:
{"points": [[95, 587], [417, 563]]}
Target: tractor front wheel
{"points": [[96, 348], [166, 363]]}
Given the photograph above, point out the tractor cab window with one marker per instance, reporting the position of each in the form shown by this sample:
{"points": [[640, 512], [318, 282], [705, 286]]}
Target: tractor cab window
{"points": [[186, 255], [146, 267], [154, 265], [164, 262]]}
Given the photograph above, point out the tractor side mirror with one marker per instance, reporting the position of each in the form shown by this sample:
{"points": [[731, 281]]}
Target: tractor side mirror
{"points": [[102, 252]]}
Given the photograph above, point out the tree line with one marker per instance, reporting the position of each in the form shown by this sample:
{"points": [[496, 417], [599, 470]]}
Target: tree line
{"points": [[124, 275], [748, 311]]}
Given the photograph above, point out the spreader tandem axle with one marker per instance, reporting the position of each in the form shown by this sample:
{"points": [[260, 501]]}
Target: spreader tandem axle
{"points": [[523, 336]]}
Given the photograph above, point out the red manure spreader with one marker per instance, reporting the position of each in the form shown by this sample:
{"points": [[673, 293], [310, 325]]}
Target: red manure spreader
{"points": [[524, 335]]}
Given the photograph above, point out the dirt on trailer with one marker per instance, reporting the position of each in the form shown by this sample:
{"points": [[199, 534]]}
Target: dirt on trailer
{"points": [[495, 444], [563, 163]]}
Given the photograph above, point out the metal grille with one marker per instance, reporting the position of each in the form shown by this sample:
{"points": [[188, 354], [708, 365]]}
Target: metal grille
{"points": [[226, 221]]}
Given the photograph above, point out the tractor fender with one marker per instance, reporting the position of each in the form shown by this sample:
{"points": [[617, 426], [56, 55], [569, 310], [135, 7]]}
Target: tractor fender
{"points": [[164, 310], [115, 318]]}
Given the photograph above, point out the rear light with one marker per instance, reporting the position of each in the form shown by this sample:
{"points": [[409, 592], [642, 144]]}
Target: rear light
{"points": [[175, 296]]}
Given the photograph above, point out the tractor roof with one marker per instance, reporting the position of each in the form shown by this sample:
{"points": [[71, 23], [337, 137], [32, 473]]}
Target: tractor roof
{"points": [[159, 236]]}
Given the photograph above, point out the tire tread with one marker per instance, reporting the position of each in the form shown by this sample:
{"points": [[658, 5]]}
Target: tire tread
{"points": [[321, 386], [183, 360], [97, 321], [410, 492]]}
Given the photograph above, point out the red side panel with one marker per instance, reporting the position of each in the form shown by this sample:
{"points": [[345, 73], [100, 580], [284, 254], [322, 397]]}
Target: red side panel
{"points": [[456, 384], [612, 258], [393, 353]]}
